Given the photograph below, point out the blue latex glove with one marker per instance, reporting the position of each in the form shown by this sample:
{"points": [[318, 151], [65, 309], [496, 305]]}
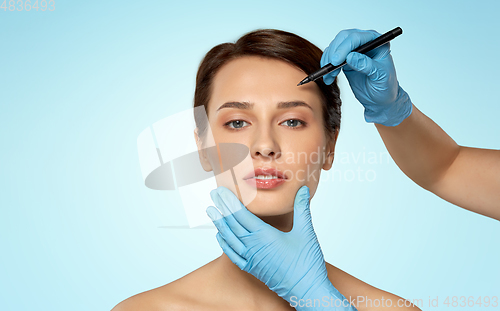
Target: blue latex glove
{"points": [[372, 77], [289, 263]]}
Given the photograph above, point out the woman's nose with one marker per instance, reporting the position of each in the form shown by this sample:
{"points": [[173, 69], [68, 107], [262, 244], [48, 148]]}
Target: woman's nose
{"points": [[265, 145]]}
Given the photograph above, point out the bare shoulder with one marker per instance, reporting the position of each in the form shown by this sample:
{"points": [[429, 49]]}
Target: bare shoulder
{"points": [[179, 295], [152, 300]]}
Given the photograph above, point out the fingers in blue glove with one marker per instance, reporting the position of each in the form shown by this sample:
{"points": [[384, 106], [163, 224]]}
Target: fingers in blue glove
{"points": [[301, 214], [240, 213], [226, 232], [364, 64], [214, 213], [354, 39], [330, 55], [230, 252], [228, 212], [345, 41], [330, 77]]}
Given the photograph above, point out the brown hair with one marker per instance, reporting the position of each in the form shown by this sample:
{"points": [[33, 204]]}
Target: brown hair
{"points": [[276, 44]]}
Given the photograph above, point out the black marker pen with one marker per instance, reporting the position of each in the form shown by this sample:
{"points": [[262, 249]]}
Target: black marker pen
{"points": [[363, 49]]}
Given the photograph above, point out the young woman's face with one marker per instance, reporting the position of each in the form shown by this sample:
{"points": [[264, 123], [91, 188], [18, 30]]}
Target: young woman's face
{"points": [[256, 102]]}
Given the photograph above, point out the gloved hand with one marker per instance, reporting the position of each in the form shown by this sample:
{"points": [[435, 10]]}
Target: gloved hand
{"points": [[289, 263], [372, 77]]}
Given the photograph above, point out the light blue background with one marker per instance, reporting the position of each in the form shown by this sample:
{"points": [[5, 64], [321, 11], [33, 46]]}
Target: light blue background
{"points": [[80, 231]]}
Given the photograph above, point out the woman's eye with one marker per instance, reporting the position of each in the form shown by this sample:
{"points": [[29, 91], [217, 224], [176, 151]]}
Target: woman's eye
{"points": [[239, 124], [235, 124], [293, 122]]}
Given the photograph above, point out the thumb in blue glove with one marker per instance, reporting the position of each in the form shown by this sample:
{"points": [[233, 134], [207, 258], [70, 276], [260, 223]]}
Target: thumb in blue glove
{"points": [[372, 77], [289, 263]]}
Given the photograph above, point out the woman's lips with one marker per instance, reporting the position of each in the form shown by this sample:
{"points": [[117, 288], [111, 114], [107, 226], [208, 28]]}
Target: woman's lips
{"points": [[265, 183], [278, 178]]}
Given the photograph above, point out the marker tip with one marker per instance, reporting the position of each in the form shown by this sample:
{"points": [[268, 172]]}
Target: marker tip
{"points": [[303, 81]]}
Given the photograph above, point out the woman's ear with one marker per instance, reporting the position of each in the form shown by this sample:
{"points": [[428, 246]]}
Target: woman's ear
{"points": [[202, 152], [330, 152]]}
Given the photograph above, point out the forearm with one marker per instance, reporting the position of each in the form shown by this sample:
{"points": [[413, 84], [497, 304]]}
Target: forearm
{"points": [[467, 177], [421, 149]]}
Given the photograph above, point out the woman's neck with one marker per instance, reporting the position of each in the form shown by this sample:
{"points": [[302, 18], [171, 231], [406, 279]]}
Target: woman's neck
{"points": [[242, 288]]}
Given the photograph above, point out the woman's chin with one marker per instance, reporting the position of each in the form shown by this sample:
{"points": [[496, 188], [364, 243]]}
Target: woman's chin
{"points": [[268, 210], [271, 204]]}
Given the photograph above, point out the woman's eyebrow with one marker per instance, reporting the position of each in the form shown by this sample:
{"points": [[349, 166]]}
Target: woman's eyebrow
{"points": [[291, 104], [280, 105]]}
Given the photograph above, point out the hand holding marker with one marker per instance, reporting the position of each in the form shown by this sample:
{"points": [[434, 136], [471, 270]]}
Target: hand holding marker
{"points": [[464, 176], [365, 48], [372, 77]]}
